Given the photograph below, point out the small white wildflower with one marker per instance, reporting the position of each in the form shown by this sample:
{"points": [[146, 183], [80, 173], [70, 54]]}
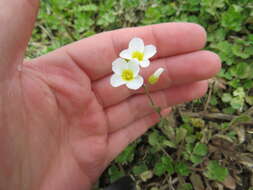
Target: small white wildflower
{"points": [[136, 50], [118, 60], [126, 73], [155, 77]]}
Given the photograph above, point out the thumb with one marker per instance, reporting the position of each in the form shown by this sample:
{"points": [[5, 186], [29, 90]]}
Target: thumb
{"points": [[17, 18]]}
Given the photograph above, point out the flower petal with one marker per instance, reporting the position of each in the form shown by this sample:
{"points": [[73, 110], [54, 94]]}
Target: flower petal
{"points": [[117, 81], [136, 44], [119, 67], [144, 63], [136, 83], [133, 65], [118, 60], [149, 51], [126, 54]]}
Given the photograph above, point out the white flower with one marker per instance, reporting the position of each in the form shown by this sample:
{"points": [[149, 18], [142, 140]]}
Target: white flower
{"points": [[126, 73], [155, 77], [136, 50]]}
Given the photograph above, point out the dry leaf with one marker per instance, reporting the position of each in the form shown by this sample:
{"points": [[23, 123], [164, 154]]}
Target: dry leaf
{"points": [[229, 182], [197, 182]]}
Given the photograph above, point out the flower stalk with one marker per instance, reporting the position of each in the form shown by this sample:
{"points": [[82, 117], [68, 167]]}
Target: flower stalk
{"points": [[156, 108]]}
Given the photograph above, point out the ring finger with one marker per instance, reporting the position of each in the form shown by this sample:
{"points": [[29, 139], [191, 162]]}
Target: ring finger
{"points": [[136, 107]]}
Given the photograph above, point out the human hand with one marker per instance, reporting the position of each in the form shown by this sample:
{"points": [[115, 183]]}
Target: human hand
{"points": [[62, 122]]}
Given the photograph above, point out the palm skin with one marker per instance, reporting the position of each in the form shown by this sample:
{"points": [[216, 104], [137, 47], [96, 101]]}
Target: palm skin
{"points": [[62, 123]]}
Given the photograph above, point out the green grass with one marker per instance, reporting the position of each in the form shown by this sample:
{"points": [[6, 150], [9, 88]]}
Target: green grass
{"points": [[207, 142]]}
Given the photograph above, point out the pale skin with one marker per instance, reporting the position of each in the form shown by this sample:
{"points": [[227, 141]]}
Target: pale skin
{"points": [[61, 121]]}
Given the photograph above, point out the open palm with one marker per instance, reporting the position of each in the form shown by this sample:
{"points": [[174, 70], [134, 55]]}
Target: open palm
{"points": [[62, 123]]}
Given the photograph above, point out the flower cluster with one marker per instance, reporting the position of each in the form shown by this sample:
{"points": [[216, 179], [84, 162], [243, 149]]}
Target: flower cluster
{"points": [[126, 68]]}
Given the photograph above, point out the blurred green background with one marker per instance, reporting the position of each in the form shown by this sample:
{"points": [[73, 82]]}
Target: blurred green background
{"points": [[205, 144]]}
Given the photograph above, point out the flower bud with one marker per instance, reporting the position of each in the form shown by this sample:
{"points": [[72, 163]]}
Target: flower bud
{"points": [[155, 77]]}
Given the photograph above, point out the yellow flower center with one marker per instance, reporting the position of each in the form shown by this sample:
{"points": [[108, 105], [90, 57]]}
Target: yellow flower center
{"points": [[137, 55], [127, 75]]}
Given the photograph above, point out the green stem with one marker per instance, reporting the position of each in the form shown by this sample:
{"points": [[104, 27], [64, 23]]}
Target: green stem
{"points": [[153, 105], [157, 109]]}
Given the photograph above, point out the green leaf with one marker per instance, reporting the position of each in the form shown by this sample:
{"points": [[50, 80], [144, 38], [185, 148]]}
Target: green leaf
{"points": [[198, 122], [232, 19], [213, 101], [200, 149], [196, 159], [169, 9], [180, 134], [239, 51], [145, 176], [106, 19], [127, 155], [169, 144], [152, 15], [185, 186], [189, 147], [224, 125], [215, 171], [242, 70], [186, 155], [239, 92], [115, 173], [237, 103], [155, 139], [250, 38], [211, 5], [240, 119], [159, 169], [163, 166], [188, 127], [225, 51], [182, 169], [226, 97], [167, 129], [249, 100], [90, 7], [217, 35], [229, 110], [139, 169], [190, 139], [248, 84], [231, 135]]}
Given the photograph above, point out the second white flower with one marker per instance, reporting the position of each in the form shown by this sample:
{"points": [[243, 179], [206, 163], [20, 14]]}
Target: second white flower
{"points": [[137, 51]]}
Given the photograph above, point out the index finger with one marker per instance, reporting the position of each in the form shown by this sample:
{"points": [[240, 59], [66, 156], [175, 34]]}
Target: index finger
{"points": [[95, 54]]}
